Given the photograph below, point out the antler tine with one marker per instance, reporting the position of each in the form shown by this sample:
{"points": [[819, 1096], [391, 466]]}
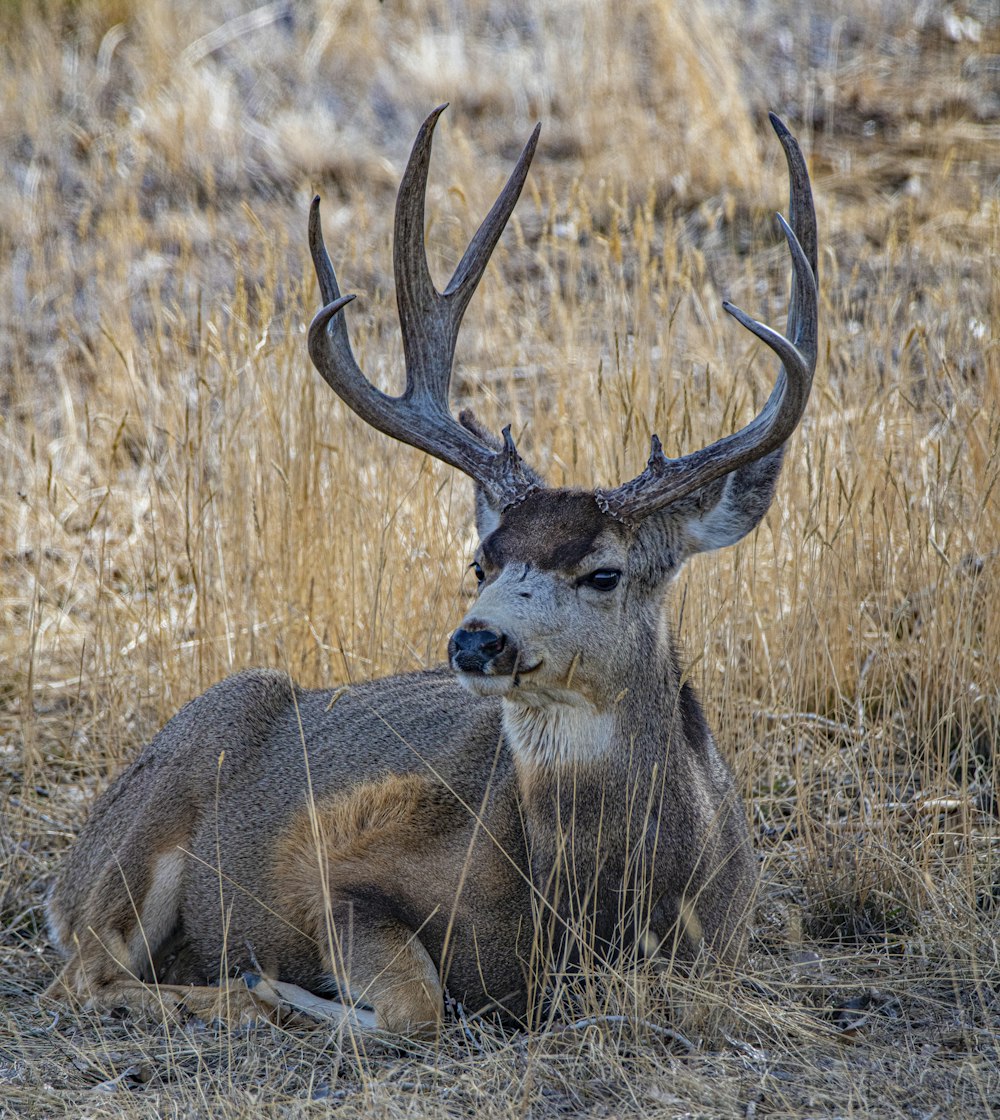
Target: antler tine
{"points": [[471, 267], [428, 345], [667, 480], [430, 321], [329, 344], [801, 215]]}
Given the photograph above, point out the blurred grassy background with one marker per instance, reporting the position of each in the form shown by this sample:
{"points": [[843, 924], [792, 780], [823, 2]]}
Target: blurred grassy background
{"points": [[183, 496]]}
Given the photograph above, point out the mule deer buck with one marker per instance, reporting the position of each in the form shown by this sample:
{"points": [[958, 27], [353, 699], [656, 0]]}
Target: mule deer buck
{"points": [[552, 796]]}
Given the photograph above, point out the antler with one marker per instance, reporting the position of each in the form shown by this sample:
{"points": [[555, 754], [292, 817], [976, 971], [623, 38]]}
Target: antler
{"points": [[430, 322], [666, 480]]}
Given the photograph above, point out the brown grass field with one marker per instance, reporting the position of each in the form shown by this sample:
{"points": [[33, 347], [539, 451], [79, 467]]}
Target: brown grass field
{"points": [[182, 497]]}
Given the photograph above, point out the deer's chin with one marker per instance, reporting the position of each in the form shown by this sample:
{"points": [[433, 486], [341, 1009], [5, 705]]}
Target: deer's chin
{"points": [[529, 689], [500, 684]]}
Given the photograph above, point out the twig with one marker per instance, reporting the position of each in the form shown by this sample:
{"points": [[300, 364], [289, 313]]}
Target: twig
{"points": [[232, 29], [458, 1010], [806, 717], [859, 697], [617, 1020]]}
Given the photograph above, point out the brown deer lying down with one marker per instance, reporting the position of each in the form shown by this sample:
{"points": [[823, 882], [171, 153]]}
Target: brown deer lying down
{"points": [[551, 795]]}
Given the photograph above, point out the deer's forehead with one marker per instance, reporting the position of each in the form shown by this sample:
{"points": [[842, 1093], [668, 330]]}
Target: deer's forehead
{"points": [[551, 529]]}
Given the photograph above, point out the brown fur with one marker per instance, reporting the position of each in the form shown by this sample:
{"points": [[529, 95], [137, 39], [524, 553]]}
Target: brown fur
{"points": [[347, 838], [550, 530]]}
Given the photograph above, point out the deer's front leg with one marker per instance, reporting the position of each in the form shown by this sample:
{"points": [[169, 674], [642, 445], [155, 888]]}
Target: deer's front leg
{"points": [[377, 961]]}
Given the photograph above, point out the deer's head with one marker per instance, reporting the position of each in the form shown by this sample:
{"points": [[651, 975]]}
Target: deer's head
{"points": [[571, 582]]}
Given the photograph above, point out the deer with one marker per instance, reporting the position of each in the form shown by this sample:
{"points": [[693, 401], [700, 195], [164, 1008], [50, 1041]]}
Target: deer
{"points": [[549, 798]]}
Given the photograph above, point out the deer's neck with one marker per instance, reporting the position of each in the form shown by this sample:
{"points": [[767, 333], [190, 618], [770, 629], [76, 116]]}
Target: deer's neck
{"points": [[593, 788], [557, 735], [575, 763], [563, 736]]}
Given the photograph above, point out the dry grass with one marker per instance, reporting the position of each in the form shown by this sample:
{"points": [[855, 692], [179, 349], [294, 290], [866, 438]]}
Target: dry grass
{"points": [[183, 497]]}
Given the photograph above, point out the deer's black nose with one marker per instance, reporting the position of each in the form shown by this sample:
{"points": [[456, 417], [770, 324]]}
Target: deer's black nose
{"points": [[472, 650]]}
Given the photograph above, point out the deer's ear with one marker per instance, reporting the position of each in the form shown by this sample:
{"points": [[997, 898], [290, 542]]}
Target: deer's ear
{"points": [[726, 511], [487, 515], [715, 516]]}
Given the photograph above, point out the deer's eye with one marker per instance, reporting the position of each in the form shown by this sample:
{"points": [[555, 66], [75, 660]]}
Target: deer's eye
{"points": [[604, 579], [478, 569]]}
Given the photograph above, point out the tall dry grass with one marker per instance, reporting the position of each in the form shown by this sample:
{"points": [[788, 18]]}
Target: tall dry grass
{"points": [[184, 497]]}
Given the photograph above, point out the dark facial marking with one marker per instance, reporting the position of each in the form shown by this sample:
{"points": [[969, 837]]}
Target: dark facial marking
{"points": [[549, 530]]}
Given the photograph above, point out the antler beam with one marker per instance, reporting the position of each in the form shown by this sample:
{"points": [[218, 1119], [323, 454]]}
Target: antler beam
{"points": [[666, 480]]}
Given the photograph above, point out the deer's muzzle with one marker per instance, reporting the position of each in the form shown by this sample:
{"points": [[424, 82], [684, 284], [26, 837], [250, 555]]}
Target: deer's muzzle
{"points": [[478, 650]]}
